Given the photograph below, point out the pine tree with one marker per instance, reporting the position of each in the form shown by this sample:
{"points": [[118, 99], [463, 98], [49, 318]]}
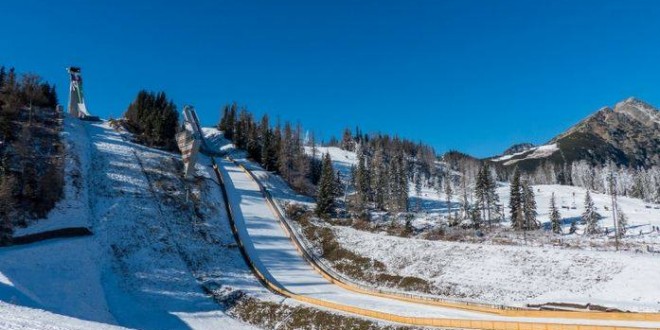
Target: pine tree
{"points": [[418, 190], [7, 206], [378, 177], [515, 201], [347, 142], [402, 183], [285, 154], [361, 182], [448, 194], [622, 223], [325, 200], [228, 121], [555, 217], [267, 150], [3, 76], [492, 198], [153, 118], [339, 186], [590, 217], [529, 207], [475, 216], [481, 191], [486, 192]]}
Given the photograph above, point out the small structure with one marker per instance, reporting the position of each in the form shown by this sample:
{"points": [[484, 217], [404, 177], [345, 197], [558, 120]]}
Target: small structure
{"points": [[77, 107], [189, 139]]}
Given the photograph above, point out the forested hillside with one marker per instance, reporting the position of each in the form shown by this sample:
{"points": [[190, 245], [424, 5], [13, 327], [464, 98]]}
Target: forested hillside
{"points": [[31, 168]]}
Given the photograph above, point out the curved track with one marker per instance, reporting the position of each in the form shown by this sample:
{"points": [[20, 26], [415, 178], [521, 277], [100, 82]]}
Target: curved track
{"points": [[270, 251]]}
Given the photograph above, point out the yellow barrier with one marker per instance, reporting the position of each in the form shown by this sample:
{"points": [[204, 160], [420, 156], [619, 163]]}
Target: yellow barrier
{"points": [[416, 321]]}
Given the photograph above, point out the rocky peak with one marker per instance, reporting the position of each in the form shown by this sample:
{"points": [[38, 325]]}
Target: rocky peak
{"points": [[516, 148], [639, 111]]}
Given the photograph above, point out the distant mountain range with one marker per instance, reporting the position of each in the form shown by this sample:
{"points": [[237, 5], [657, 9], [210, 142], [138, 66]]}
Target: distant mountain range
{"points": [[628, 135]]}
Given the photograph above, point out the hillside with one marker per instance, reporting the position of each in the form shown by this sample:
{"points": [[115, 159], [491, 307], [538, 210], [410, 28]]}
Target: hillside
{"points": [[155, 261], [627, 134], [487, 265]]}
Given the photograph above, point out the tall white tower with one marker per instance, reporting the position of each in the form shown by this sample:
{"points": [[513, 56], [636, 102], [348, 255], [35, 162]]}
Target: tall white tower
{"points": [[77, 107]]}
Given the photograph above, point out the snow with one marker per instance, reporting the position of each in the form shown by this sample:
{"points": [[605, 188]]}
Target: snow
{"points": [[490, 272], [276, 257], [215, 139], [342, 160], [517, 275], [13, 317], [145, 265], [72, 210], [533, 153], [570, 201]]}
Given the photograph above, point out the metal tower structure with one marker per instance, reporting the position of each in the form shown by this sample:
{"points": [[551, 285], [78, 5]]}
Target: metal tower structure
{"points": [[77, 107]]}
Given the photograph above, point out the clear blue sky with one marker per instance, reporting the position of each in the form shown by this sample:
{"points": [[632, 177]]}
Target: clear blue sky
{"points": [[470, 75]]}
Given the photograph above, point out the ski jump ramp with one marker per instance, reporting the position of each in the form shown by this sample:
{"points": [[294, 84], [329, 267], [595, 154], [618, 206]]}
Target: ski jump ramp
{"points": [[280, 265]]}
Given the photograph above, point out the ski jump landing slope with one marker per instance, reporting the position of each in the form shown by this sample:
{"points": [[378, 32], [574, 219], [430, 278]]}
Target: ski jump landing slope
{"points": [[276, 259]]}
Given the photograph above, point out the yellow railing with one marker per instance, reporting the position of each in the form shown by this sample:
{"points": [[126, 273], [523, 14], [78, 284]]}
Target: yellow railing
{"points": [[421, 321]]}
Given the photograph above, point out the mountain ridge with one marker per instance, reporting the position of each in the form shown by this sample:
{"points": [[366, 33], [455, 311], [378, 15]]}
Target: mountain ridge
{"points": [[627, 134]]}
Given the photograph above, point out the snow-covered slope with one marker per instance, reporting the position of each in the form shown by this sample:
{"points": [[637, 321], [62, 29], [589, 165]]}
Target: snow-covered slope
{"points": [[531, 153], [73, 209], [150, 255], [342, 160], [517, 275], [277, 258], [492, 272], [13, 317]]}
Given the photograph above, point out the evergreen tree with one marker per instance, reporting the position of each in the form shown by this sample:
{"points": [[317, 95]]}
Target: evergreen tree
{"points": [[268, 151], [339, 186], [515, 201], [347, 142], [378, 177], [486, 192], [590, 217], [481, 191], [529, 207], [475, 216], [418, 190], [448, 194], [3, 76], [361, 183], [228, 120], [492, 198], [153, 118], [285, 154], [555, 217], [7, 206], [622, 223], [327, 191], [402, 183]]}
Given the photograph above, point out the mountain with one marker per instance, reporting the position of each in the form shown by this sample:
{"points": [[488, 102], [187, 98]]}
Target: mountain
{"points": [[628, 135], [519, 147]]}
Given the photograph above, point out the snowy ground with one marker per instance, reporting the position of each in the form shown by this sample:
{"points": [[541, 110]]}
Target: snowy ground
{"points": [[517, 275], [14, 317], [146, 264], [510, 268], [276, 257], [642, 217]]}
